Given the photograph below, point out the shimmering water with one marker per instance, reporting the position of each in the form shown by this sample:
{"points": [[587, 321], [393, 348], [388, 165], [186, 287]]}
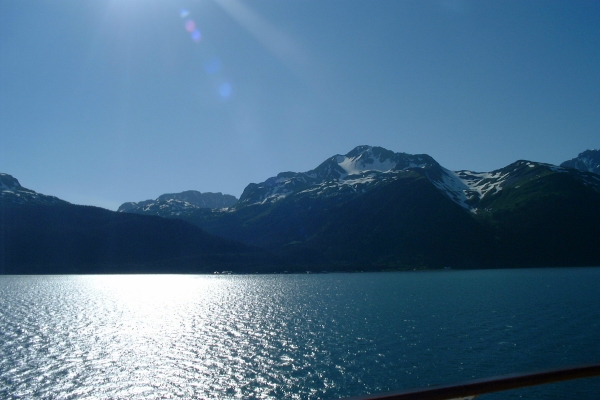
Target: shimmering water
{"points": [[293, 336]]}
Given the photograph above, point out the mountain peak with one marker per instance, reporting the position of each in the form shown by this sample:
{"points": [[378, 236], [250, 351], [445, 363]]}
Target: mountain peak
{"points": [[363, 158], [373, 158], [8, 182], [362, 149], [361, 169], [588, 161], [11, 191]]}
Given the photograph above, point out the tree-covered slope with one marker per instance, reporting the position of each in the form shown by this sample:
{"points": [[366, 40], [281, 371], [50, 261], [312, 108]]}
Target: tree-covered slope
{"points": [[80, 239], [547, 218], [407, 223]]}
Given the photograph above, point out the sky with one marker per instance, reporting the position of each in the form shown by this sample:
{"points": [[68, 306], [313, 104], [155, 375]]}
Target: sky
{"points": [[108, 101]]}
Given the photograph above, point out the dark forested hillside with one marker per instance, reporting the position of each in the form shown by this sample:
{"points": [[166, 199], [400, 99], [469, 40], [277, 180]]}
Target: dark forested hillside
{"points": [[550, 220], [78, 239]]}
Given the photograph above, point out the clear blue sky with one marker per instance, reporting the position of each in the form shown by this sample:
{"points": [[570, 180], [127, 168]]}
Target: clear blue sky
{"points": [[103, 102]]}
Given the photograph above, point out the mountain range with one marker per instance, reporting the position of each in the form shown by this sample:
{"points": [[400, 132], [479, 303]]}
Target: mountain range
{"points": [[172, 203], [42, 234], [373, 209]]}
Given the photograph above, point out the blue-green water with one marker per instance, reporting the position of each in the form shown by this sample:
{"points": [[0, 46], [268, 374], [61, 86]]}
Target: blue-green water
{"points": [[294, 336]]}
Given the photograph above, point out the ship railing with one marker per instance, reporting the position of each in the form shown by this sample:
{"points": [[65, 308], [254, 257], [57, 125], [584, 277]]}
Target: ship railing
{"points": [[472, 389]]}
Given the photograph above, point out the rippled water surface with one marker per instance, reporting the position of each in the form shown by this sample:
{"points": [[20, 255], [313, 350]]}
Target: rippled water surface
{"points": [[293, 336]]}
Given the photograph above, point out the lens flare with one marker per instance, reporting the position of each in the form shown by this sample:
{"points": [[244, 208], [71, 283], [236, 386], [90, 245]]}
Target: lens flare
{"points": [[196, 36], [225, 90], [190, 26]]}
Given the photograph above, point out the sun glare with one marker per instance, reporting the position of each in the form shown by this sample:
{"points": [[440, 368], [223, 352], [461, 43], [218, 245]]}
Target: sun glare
{"points": [[153, 304], [273, 39], [149, 288]]}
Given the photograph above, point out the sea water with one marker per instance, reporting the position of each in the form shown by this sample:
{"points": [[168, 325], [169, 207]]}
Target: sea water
{"points": [[294, 336]]}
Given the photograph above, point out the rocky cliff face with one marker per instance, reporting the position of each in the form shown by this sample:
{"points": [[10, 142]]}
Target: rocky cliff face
{"points": [[588, 161]]}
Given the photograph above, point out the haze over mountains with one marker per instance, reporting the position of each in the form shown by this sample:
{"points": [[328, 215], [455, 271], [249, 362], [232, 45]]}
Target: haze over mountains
{"points": [[370, 209]]}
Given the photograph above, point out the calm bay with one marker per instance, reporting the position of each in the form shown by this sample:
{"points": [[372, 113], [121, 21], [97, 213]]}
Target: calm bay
{"points": [[294, 336]]}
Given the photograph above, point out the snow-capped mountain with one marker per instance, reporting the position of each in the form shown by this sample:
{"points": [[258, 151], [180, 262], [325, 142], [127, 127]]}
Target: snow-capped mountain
{"points": [[366, 167], [374, 206], [474, 190], [589, 161], [176, 203], [360, 170], [12, 192]]}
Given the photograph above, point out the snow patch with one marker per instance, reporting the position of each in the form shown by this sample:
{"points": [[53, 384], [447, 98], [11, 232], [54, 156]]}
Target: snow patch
{"points": [[464, 186], [356, 165]]}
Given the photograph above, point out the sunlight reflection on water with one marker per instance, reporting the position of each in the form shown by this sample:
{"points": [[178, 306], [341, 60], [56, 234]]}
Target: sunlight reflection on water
{"points": [[320, 336]]}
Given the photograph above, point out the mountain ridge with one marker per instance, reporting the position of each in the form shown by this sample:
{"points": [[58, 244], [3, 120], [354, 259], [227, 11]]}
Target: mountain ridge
{"points": [[12, 191], [360, 169], [176, 203], [366, 166], [306, 215], [373, 209]]}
